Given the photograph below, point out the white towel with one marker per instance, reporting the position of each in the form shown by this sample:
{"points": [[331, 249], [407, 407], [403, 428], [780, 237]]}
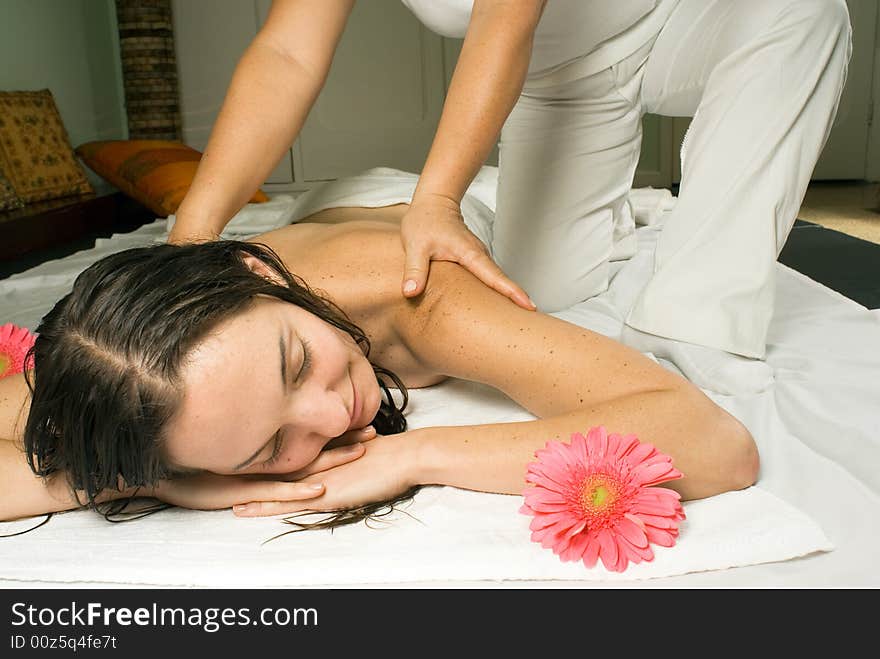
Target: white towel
{"points": [[446, 535]]}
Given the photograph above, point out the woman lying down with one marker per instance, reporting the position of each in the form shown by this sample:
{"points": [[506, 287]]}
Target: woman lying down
{"points": [[209, 376]]}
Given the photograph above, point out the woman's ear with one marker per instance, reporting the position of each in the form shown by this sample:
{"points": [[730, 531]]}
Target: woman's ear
{"points": [[257, 266]]}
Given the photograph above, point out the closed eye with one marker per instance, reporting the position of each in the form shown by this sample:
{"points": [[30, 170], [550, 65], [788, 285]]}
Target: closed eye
{"points": [[276, 450], [303, 372], [306, 362]]}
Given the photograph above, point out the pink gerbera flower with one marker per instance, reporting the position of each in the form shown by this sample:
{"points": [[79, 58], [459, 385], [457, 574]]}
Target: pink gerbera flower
{"points": [[15, 341], [593, 499]]}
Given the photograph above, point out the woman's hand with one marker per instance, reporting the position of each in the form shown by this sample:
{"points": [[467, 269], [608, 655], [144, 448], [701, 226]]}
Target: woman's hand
{"points": [[209, 491], [433, 229], [386, 469]]}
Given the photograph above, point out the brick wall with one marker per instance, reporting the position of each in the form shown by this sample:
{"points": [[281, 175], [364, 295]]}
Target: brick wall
{"points": [[149, 69]]}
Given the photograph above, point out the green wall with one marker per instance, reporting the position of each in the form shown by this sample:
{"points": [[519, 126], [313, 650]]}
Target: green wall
{"points": [[72, 48]]}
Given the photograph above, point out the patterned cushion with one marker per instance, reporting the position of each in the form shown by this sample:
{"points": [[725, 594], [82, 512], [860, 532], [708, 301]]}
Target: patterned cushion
{"points": [[157, 173], [8, 199], [35, 151]]}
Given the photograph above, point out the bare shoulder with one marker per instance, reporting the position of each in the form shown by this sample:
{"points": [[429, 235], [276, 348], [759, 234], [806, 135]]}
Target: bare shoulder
{"points": [[464, 329]]}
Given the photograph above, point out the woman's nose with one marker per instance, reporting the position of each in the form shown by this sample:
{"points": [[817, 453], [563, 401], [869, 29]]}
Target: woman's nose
{"points": [[319, 413]]}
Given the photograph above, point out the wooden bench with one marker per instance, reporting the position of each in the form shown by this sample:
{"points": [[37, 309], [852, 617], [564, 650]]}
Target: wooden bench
{"points": [[51, 229]]}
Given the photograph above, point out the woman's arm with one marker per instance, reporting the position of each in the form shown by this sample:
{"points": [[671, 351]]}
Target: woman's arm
{"points": [[23, 493], [272, 90], [569, 377]]}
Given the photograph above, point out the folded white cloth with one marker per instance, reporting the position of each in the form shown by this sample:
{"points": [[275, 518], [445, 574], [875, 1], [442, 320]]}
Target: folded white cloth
{"points": [[816, 430], [446, 535]]}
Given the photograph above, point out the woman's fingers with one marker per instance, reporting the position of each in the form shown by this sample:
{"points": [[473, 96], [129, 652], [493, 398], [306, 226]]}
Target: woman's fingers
{"points": [[276, 497], [285, 496], [327, 460], [352, 437]]}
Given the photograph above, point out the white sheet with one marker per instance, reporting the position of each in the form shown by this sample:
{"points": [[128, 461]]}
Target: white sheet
{"points": [[817, 432]]}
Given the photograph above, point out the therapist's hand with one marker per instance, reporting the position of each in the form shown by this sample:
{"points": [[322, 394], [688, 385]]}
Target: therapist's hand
{"points": [[433, 229]]}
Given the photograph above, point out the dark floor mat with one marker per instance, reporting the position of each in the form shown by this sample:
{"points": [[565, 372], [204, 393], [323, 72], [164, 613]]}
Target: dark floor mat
{"points": [[848, 265]]}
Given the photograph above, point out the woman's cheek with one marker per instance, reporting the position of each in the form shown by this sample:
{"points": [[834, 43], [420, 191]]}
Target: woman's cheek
{"points": [[299, 454]]}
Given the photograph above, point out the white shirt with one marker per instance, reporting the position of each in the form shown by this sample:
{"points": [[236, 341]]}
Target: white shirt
{"points": [[597, 33]]}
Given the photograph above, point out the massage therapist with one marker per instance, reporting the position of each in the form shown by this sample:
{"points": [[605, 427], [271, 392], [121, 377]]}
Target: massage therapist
{"points": [[563, 84]]}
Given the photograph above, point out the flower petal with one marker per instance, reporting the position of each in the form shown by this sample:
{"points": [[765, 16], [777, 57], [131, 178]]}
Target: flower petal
{"points": [[591, 553], [548, 478], [579, 448], [576, 528], [628, 444], [544, 495], [547, 509], [576, 548], [631, 532], [659, 522], [635, 519], [613, 445], [548, 519], [651, 506], [639, 454], [622, 558], [602, 441], [659, 472], [660, 537], [608, 547], [635, 554]]}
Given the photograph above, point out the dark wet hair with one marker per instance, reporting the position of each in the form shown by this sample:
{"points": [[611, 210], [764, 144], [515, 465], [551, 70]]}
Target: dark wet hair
{"points": [[107, 362]]}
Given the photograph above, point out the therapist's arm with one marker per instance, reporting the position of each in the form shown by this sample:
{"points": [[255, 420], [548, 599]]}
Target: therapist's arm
{"points": [[486, 84], [272, 90], [487, 81]]}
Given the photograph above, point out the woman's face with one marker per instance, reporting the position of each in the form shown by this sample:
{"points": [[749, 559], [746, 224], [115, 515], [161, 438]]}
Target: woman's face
{"points": [[273, 372]]}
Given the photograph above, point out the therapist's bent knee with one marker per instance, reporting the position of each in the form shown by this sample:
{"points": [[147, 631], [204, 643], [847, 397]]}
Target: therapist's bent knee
{"points": [[822, 17]]}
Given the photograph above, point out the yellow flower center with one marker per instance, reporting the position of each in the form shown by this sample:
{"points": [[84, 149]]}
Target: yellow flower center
{"points": [[5, 363], [599, 494]]}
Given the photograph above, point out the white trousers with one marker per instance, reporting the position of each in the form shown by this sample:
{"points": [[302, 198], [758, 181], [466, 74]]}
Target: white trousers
{"points": [[762, 80]]}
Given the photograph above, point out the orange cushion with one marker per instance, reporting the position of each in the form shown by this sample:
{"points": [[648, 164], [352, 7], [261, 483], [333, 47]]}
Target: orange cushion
{"points": [[157, 173], [35, 151]]}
